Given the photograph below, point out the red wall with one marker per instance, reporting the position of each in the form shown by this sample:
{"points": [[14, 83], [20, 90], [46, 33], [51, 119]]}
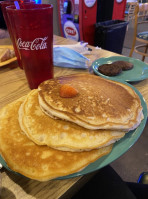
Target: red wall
{"points": [[119, 10], [87, 21]]}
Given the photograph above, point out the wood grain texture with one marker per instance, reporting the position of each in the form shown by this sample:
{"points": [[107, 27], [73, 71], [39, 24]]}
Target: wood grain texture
{"points": [[13, 85]]}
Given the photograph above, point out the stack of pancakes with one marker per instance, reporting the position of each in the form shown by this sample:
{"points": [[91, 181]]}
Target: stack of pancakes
{"points": [[44, 135]]}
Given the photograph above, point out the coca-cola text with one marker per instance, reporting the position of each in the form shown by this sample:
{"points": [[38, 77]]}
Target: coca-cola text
{"points": [[36, 44]]}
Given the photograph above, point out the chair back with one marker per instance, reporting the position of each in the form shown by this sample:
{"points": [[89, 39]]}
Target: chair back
{"points": [[131, 10], [140, 18], [143, 10]]}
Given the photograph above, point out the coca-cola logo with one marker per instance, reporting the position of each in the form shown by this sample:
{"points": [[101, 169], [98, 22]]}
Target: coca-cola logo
{"points": [[70, 31], [36, 44]]}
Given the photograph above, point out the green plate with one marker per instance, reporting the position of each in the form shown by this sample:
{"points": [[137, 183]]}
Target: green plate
{"points": [[137, 73], [119, 147]]}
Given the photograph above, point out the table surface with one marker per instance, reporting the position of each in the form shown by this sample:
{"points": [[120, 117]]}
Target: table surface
{"points": [[13, 85]]}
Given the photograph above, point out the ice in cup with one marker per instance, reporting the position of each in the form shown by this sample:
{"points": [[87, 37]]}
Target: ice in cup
{"points": [[3, 5], [32, 27]]}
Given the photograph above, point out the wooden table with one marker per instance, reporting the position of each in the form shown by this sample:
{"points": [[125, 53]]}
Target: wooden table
{"points": [[13, 85]]}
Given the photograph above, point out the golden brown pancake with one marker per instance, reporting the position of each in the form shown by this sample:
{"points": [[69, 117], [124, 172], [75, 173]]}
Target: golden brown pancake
{"points": [[60, 134], [33, 161], [99, 104]]}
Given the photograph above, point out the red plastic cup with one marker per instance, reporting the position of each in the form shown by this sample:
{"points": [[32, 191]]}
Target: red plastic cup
{"points": [[4, 4], [32, 27]]}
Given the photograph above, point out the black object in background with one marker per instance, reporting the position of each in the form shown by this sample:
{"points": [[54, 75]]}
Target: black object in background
{"points": [[106, 184], [2, 21], [104, 10], [110, 35]]}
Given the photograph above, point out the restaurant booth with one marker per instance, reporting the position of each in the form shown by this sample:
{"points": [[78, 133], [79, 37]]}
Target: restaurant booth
{"points": [[77, 18]]}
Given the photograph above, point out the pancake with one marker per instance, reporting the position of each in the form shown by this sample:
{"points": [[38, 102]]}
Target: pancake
{"points": [[33, 161], [60, 134], [99, 104]]}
